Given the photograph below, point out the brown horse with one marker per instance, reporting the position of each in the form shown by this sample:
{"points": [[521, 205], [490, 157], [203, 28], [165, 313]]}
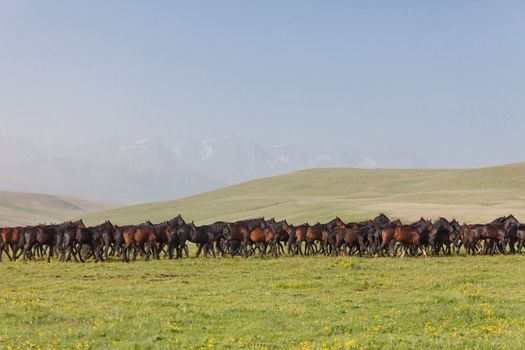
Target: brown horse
{"points": [[138, 237], [410, 237], [262, 237], [387, 234], [509, 224], [316, 233], [467, 239], [236, 232], [10, 238], [492, 234], [347, 238], [282, 233], [163, 235], [297, 237]]}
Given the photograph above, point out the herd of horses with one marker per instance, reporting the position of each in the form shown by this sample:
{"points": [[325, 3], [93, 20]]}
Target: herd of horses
{"points": [[376, 237]]}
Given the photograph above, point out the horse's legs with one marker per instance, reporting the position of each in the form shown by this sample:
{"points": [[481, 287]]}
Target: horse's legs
{"points": [[512, 247], [302, 247], [280, 247], [308, 247], [404, 249], [106, 250], [7, 252], [199, 248], [68, 257], [5, 248], [502, 248], [80, 253], [212, 248], [423, 250], [457, 246], [133, 250], [314, 249], [391, 250], [244, 245], [126, 252], [14, 248], [383, 248], [50, 253]]}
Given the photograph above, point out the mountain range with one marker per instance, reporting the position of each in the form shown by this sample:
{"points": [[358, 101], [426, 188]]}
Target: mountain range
{"points": [[124, 171]]}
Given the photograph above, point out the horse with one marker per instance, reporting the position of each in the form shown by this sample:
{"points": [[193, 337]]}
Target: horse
{"points": [[520, 236], [387, 234], [236, 232], [379, 223], [509, 224], [10, 238], [111, 239], [411, 237], [347, 237], [492, 234], [444, 233], [137, 237], [317, 232], [262, 236], [282, 233], [296, 238], [164, 234], [38, 236], [203, 237]]}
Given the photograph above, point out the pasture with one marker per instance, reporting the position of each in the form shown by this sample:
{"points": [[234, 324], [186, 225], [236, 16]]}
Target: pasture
{"points": [[290, 302], [469, 195], [18, 208]]}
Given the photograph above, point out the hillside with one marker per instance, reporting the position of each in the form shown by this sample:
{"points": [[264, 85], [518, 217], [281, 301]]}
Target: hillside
{"points": [[31, 208], [320, 194]]}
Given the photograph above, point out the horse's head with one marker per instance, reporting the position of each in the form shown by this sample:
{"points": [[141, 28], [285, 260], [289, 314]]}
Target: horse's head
{"points": [[339, 222], [396, 223], [79, 223], [177, 221], [510, 221], [271, 221]]}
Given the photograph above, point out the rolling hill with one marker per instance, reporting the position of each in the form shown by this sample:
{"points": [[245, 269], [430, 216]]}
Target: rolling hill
{"points": [[319, 194], [18, 208]]}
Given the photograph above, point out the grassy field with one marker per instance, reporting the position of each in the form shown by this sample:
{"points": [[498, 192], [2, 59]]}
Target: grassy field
{"points": [[22, 209], [297, 303], [473, 195]]}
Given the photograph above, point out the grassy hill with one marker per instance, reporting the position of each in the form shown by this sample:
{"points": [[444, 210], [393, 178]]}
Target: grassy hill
{"points": [[18, 208], [319, 194]]}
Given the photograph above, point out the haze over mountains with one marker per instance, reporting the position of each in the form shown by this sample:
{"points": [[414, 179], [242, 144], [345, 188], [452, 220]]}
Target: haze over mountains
{"points": [[123, 171]]}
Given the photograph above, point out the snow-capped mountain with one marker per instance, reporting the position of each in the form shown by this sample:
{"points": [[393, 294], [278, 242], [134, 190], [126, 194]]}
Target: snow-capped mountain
{"points": [[127, 171]]}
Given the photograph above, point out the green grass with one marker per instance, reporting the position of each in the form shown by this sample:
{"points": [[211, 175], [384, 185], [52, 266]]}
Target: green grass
{"points": [[313, 302], [472, 195], [21, 209]]}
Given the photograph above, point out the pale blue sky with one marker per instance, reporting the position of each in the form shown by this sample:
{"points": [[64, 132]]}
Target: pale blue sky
{"points": [[441, 79]]}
